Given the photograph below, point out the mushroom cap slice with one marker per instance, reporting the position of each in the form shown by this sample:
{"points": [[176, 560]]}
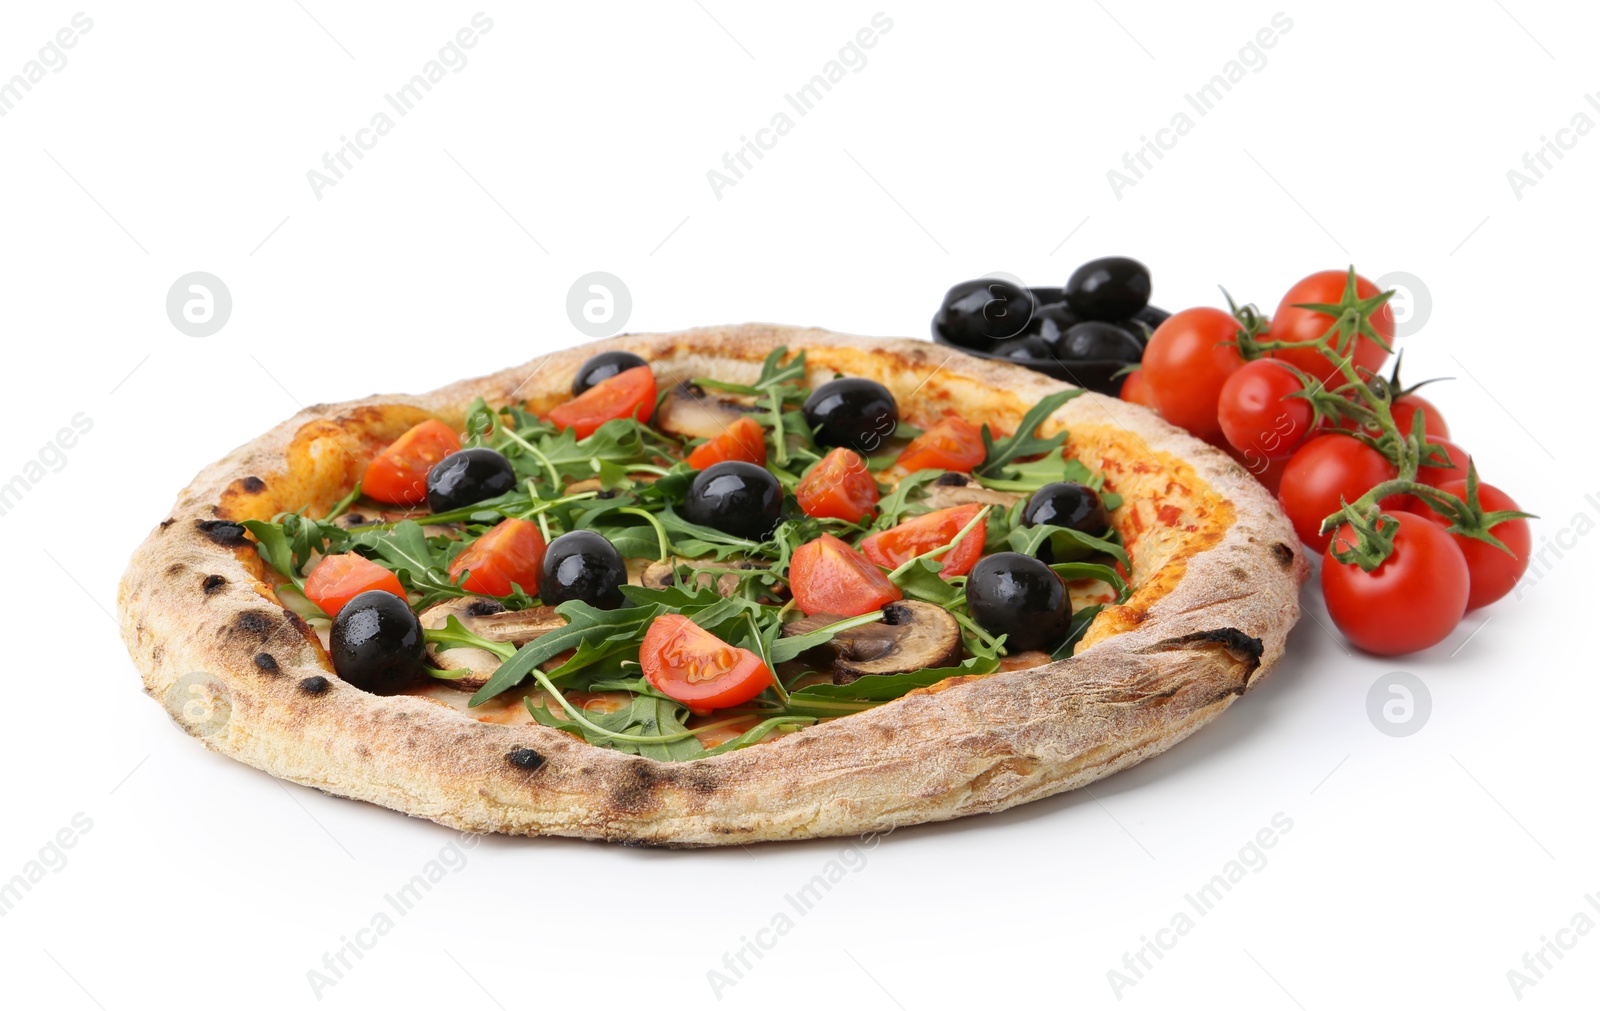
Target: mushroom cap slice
{"points": [[490, 620], [691, 412], [912, 635]]}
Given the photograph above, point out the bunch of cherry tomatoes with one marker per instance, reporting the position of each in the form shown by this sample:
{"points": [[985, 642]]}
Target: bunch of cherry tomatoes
{"points": [[1363, 466]]}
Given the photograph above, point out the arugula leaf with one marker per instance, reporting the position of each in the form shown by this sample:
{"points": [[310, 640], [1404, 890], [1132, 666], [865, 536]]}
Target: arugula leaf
{"points": [[876, 689], [758, 733], [619, 628], [1066, 543], [1024, 442], [273, 545], [646, 715], [921, 580]]}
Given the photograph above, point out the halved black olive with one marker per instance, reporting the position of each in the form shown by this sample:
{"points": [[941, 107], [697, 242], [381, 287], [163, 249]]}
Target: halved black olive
{"points": [[468, 476], [376, 643]]}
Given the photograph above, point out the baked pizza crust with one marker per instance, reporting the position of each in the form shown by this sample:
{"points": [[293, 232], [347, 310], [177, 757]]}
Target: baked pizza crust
{"points": [[1215, 562]]}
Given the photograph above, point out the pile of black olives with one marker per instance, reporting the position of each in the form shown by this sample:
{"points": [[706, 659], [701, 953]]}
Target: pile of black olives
{"points": [[1084, 332]]}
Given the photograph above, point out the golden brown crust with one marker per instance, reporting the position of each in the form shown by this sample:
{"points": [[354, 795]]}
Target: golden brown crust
{"points": [[1214, 558]]}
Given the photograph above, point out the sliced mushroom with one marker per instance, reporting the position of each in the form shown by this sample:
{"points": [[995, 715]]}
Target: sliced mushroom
{"points": [[912, 635], [493, 622], [957, 490], [693, 413]]}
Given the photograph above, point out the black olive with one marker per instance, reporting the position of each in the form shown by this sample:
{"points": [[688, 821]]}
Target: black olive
{"points": [[1021, 598], [1113, 287], [1047, 296], [1066, 504], [468, 476], [976, 313], [376, 643], [858, 413], [1151, 317], [1097, 342], [736, 498], [602, 367], [582, 565], [1051, 323], [1029, 350]]}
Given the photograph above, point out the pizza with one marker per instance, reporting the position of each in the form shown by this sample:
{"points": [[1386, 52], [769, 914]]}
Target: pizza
{"points": [[713, 587]]}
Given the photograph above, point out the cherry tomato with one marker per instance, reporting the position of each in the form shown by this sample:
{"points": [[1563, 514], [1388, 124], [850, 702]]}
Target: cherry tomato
{"points": [[1136, 391], [1493, 572], [744, 440], [1437, 476], [1268, 472], [1186, 364], [1410, 602], [1410, 405], [511, 551], [1257, 413], [399, 474], [337, 578], [828, 576], [952, 444], [628, 394], [899, 544], [1323, 471], [1303, 326], [685, 662], [839, 487]]}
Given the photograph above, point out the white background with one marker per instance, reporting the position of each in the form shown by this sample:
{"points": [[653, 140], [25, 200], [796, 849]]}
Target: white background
{"points": [[578, 136]]}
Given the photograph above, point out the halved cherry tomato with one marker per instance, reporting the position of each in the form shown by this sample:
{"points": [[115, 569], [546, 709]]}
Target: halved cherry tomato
{"points": [[952, 444], [1302, 326], [399, 474], [838, 487], [742, 440], [686, 662], [1258, 413], [1411, 601], [899, 544], [337, 578], [828, 576], [1136, 391], [1437, 476], [1323, 471], [1493, 572], [628, 394], [1188, 359], [512, 551]]}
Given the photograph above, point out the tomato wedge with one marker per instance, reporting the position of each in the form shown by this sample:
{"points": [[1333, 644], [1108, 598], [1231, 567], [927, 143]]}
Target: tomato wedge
{"points": [[828, 576], [628, 394], [894, 547], [838, 487], [512, 551], [952, 444], [743, 440], [337, 578], [686, 662], [399, 474]]}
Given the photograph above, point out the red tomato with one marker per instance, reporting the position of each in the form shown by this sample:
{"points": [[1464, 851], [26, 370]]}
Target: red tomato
{"points": [[827, 576], [899, 544], [1186, 364], [1493, 572], [399, 474], [1136, 391], [1302, 326], [743, 440], [684, 661], [952, 444], [628, 394], [337, 578], [1258, 415], [511, 551], [1437, 476], [1323, 471], [839, 487], [1410, 405], [1410, 602], [1268, 472]]}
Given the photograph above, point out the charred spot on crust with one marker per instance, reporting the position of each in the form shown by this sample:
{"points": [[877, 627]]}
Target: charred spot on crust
{"points": [[266, 663], [259, 624], [298, 622], [525, 758], [1284, 554], [951, 479], [479, 608], [1247, 649], [168, 522], [701, 778], [211, 584], [316, 684], [633, 794], [252, 484], [223, 532], [174, 568]]}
